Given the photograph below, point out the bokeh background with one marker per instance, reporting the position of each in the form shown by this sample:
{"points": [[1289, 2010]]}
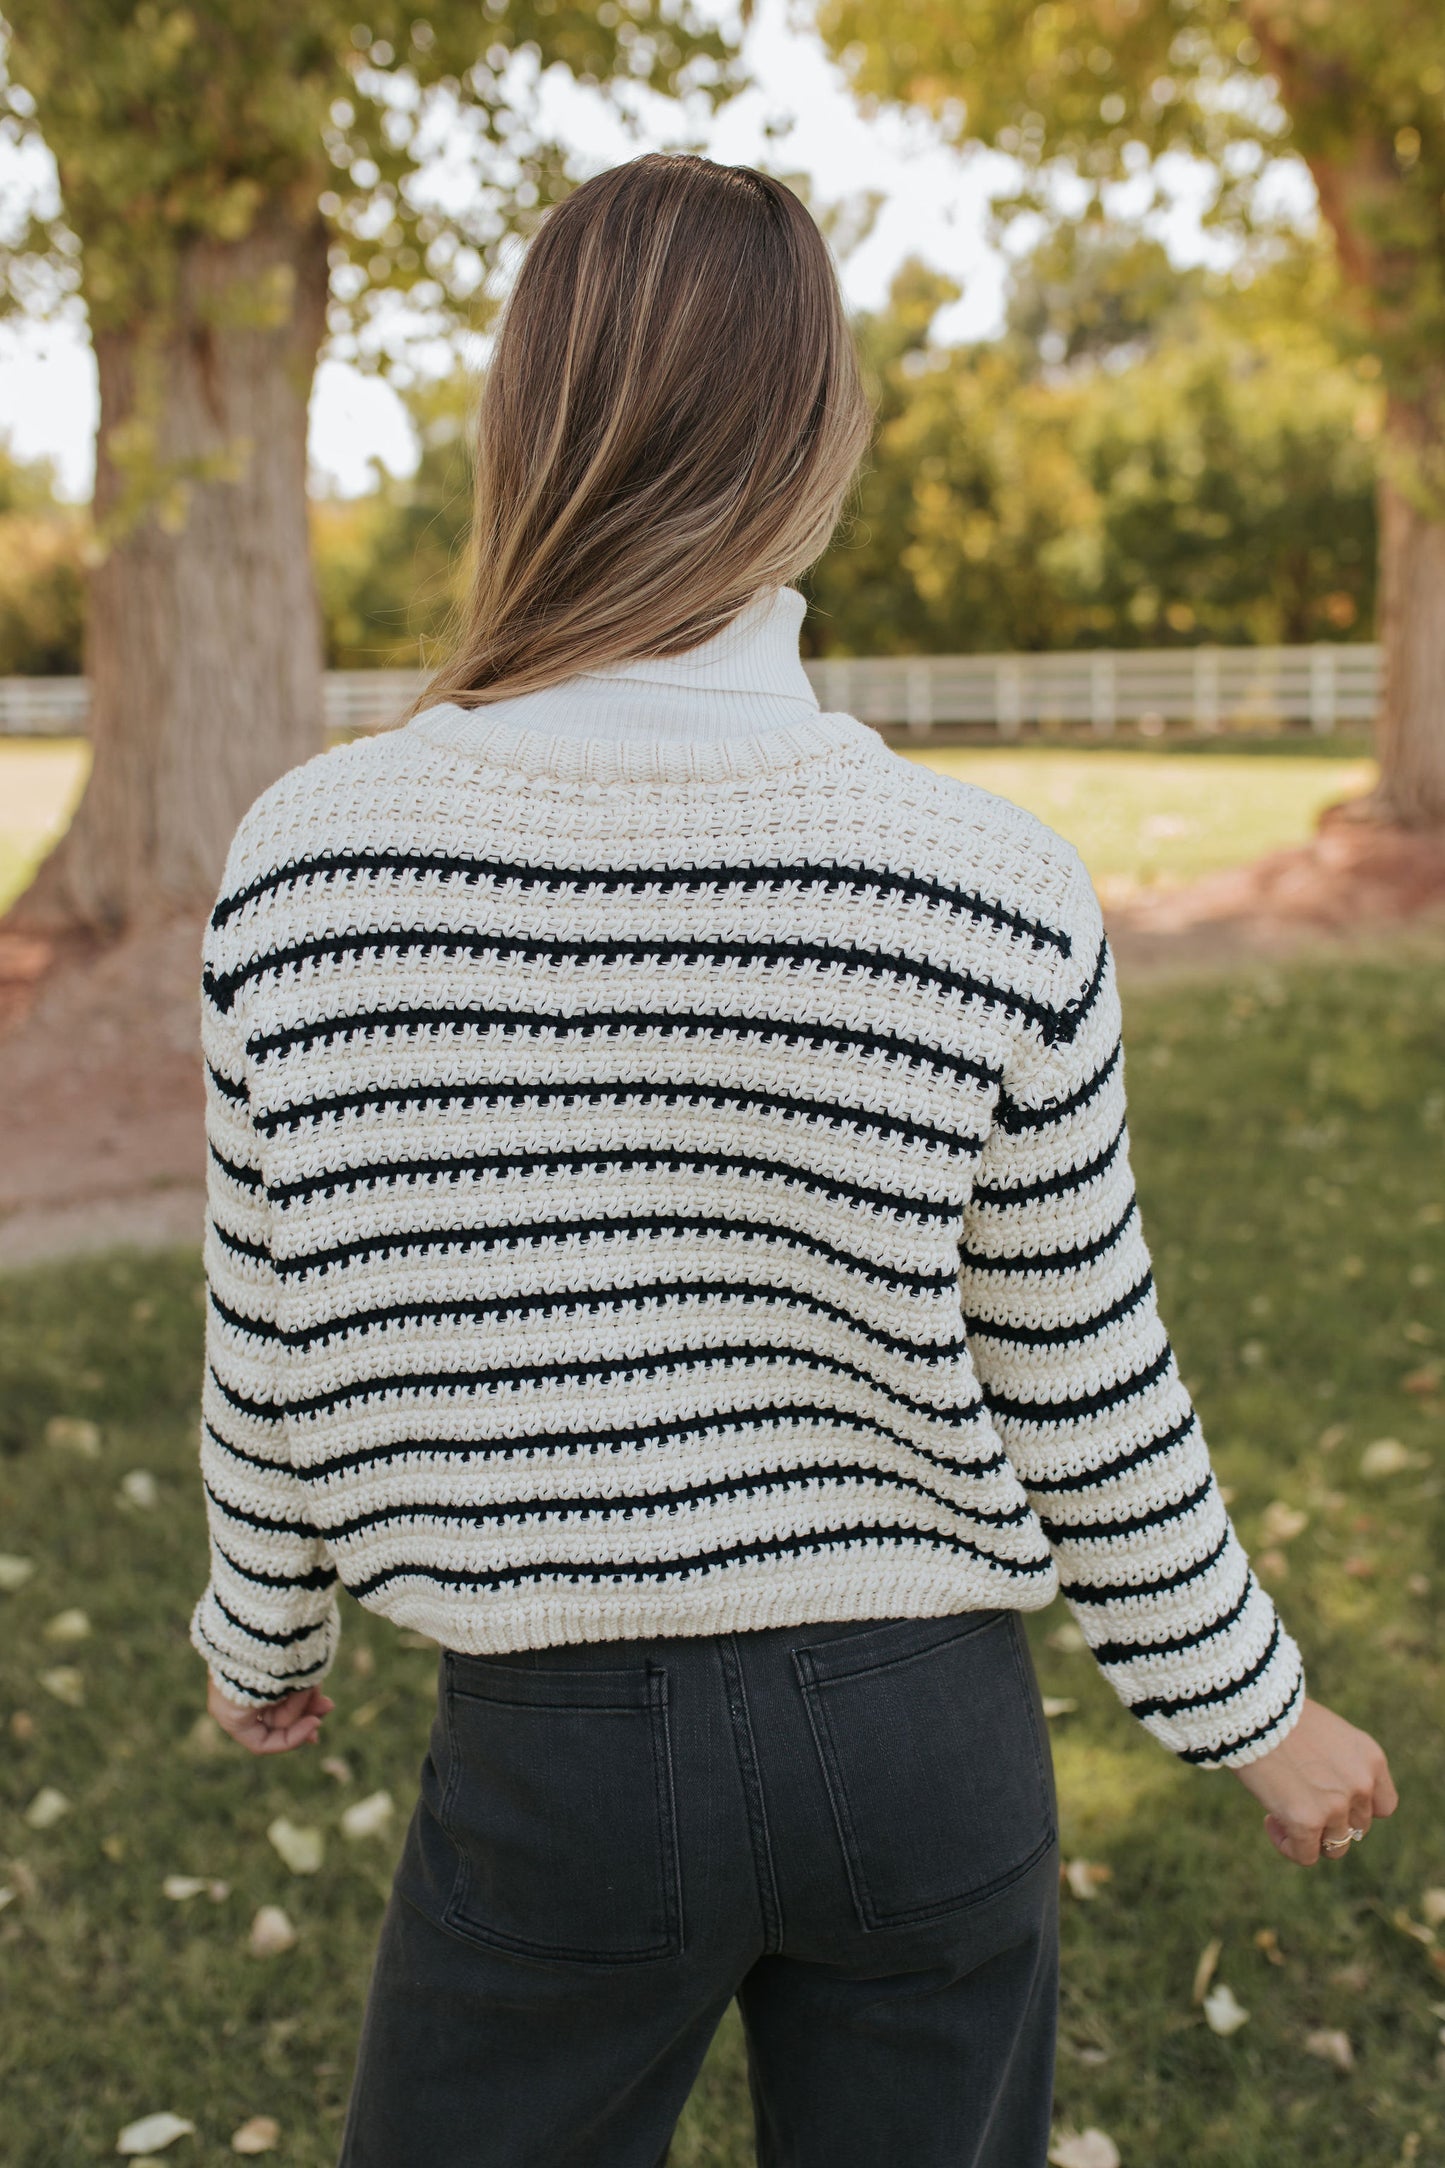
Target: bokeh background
{"points": [[1151, 295]]}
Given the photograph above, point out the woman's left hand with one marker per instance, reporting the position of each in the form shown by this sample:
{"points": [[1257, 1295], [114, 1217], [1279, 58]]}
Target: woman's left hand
{"points": [[278, 1727]]}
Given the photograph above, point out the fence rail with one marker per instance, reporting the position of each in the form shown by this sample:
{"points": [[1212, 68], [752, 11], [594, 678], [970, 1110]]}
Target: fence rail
{"points": [[1206, 689]]}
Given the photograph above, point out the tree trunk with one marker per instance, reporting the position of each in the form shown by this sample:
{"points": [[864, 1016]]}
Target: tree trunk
{"points": [[1410, 729], [203, 635]]}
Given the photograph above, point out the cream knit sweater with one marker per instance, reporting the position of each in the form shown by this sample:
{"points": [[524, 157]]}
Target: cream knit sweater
{"points": [[668, 1175]]}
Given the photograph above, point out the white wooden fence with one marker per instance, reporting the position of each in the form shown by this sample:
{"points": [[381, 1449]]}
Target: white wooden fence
{"points": [[1323, 687]]}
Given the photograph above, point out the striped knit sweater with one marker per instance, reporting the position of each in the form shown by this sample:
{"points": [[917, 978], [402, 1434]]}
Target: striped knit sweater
{"points": [[675, 1181]]}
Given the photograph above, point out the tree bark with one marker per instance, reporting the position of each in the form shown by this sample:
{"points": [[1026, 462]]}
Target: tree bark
{"points": [[203, 632], [1410, 726]]}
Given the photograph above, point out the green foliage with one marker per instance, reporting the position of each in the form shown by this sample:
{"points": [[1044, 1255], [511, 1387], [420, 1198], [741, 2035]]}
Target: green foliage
{"points": [[175, 124], [1279, 1126], [42, 551], [1100, 88], [1146, 457], [389, 565]]}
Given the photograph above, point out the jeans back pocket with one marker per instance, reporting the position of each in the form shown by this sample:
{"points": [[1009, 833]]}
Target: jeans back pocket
{"points": [[559, 1802], [936, 1761]]}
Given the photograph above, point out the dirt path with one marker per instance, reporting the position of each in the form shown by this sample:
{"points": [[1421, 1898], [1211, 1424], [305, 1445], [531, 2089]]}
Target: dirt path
{"points": [[101, 1101]]}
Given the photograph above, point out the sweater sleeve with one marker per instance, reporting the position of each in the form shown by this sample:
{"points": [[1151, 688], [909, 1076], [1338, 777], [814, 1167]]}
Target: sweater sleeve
{"points": [[267, 1621], [1078, 1371]]}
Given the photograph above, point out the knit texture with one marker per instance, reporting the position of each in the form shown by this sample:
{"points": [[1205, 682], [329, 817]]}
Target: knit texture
{"points": [[660, 1187]]}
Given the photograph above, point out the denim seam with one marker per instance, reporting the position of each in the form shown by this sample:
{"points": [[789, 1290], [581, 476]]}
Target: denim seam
{"points": [[745, 1747], [664, 1780]]}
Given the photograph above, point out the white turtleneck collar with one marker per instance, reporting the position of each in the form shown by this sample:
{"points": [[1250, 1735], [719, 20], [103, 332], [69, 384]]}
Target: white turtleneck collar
{"points": [[745, 680]]}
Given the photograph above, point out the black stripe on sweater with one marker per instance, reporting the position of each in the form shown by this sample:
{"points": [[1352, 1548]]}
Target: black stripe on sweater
{"points": [[593, 1304], [238, 1093], [1130, 1524], [990, 1328], [1179, 1704], [875, 966], [453, 1167], [1080, 1405], [1109, 1470], [756, 1424], [1013, 1116], [636, 1505], [542, 1024], [1005, 1197], [257, 1633], [649, 880], [685, 1568], [1260, 1731], [539, 1234], [1049, 1260], [248, 1178], [1088, 1592], [1125, 1652], [614, 1096], [316, 1577], [595, 1370]]}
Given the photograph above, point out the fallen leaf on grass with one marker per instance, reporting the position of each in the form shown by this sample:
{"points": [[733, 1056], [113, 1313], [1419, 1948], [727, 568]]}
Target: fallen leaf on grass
{"points": [[1086, 2149], [1353, 1977], [74, 1434], [22, 1724], [417, 1641], [1267, 1940], [138, 1488], [46, 1808], [182, 1886], [300, 1846], [1084, 1876], [1423, 1381], [1068, 1639], [258, 2134], [152, 2132], [271, 1932], [1281, 1523], [66, 1683], [336, 1765], [1387, 1456], [1331, 2046], [7, 1895], [71, 1625], [113, 1847], [1432, 1905], [1222, 2013], [14, 1571], [1415, 1929], [1058, 1705], [369, 1817], [1204, 1970]]}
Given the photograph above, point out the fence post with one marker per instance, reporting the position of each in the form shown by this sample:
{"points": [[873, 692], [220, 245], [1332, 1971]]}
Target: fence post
{"points": [[1206, 688], [1103, 693], [836, 685], [1008, 695], [918, 697], [1324, 681]]}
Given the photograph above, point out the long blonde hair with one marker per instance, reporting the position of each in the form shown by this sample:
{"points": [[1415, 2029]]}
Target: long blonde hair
{"points": [[671, 418]]}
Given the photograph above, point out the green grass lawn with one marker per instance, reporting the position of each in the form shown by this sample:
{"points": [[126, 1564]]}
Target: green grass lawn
{"points": [[1138, 816], [1288, 1136]]}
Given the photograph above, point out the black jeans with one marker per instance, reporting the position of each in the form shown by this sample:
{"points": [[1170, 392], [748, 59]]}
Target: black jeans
{"points": [[851, 1828]]}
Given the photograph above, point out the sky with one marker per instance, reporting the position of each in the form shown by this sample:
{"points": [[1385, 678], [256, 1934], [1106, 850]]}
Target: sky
{"points": [[936, 207]]}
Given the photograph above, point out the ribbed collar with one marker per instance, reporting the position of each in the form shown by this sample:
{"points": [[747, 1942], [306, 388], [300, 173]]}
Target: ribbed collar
{"points": [[733, 705], [757, 652]]}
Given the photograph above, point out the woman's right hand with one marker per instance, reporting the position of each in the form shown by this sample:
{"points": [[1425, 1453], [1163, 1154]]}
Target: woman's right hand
{"points": [[1322, 1780]]}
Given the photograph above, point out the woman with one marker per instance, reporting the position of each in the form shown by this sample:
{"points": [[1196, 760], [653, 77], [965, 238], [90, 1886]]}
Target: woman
{"points": [[608, 1073]]}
